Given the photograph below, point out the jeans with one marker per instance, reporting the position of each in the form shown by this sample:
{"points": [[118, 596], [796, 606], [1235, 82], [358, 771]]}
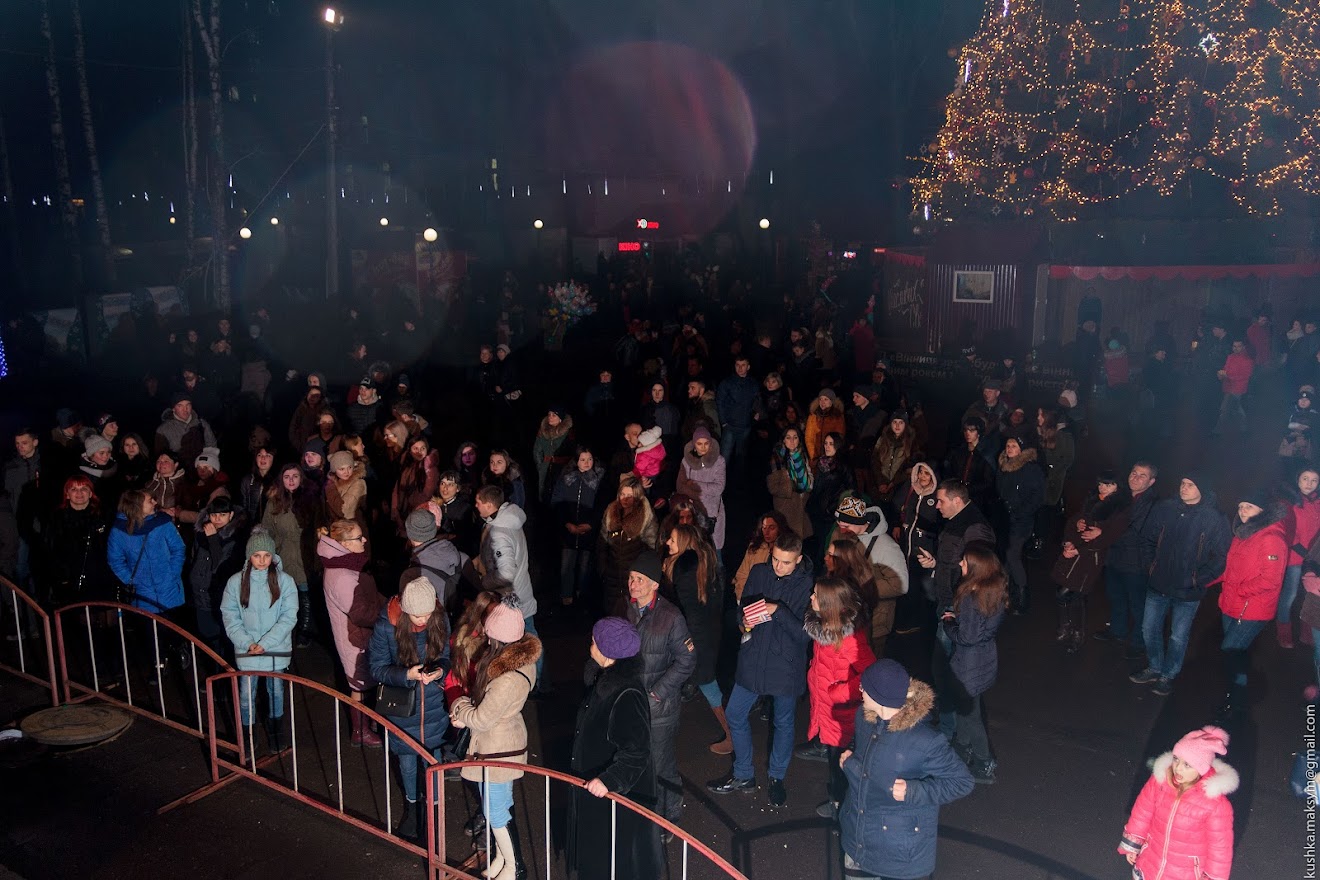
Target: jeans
{"points": [[529, 626], [1183, 612], [781, 750], [669, 785], [1231, 414], [733, 445], [858, 873], [971, 729], [1127, 602], [1292, 582], [574, 568], [946, 685], [1017, 568], [1238, 636], [497, 797], [711, 691], [408, 769], [247, 697]]}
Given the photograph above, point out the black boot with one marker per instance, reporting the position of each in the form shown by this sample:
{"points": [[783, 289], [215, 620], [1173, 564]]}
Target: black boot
{"points": [[520, 867], [407, 827], [304, 619], [274, 735], [249, 741]]}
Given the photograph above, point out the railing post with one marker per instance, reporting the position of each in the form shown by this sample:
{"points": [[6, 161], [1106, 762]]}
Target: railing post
{"points": [[293, 733], [123, 655], [160, 685], [18, 631]]}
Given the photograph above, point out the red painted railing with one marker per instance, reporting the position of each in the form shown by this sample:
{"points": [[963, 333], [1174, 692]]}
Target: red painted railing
{"points": [[25, 609]]}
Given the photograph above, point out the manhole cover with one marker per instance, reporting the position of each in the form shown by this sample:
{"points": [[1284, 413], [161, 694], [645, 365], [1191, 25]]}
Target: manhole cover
{"points": [[75, 725]]}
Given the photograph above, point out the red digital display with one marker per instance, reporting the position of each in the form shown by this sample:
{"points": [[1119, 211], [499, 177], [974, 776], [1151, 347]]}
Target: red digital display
{"points": [[643, 223], [629, 246]]}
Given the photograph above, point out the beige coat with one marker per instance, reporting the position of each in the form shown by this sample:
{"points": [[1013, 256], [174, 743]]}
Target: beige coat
{"points": [[497, 723]]}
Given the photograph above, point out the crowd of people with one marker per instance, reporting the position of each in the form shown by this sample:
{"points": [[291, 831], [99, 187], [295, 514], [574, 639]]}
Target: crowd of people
{"points": [[320, 510]]}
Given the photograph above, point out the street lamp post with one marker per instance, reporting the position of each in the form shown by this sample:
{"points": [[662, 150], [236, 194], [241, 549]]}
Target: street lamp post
{"points": [[333, 19]]}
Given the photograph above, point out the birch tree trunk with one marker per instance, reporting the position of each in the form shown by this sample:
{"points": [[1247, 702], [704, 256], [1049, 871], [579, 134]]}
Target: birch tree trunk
{"points": [[190, 139], [11, 214], [208, 28], [89, 135], [60, 151]]}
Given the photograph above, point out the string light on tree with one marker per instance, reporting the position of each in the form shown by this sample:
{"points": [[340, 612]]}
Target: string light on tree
{"points": [[1058, 107]]}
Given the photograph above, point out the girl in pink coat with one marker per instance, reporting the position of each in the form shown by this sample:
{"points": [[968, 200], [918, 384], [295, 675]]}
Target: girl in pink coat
{"points": [[1181, 827]]}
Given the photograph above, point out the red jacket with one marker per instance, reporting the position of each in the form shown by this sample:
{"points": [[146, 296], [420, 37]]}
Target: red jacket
{"points": [[834, 686], [1305, 526], [1253, 575], [1186, 836], [1259, 337], [1238, 369]]}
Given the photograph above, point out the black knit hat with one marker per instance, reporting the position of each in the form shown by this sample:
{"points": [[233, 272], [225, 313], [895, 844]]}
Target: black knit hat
{"points": [[648, 565]]}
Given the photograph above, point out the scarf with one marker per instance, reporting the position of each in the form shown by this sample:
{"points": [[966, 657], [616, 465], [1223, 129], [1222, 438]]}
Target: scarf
{"points": [[796, 462]]}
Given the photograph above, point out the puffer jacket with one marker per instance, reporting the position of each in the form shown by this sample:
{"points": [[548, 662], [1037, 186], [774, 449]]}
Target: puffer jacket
{"points": [[383, 656], [897, 838], [497, 723], [1131, 554], [188, 438], [920, 519], [703, 478], [504, 557], [1305, 515], [834, 682], [820, 423], [1253, 572], [668, 655], [1187, 836], [574, 503], [266, 621], [975, 658], [1021, 485], [624, 535], [1080, 573], [773, 659], [704, 621], [150, 560], [892, 456], [552, 449], [1189, 546]]}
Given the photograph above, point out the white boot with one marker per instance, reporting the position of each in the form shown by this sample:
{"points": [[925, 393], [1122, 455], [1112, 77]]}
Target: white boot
{"points": [[504, 843]]}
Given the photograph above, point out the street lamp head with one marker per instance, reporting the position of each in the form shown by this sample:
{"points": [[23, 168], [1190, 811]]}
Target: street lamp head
{"points": [[173, 220], [765, 223], [332, 17], [538, 223], [384, 221], [274, 221], [245, 233], [430, 234]]}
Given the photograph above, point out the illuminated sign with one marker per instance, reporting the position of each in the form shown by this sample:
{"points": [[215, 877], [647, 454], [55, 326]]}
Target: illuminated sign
{"points": [[850, 255], [643, 223], [626, 247]]}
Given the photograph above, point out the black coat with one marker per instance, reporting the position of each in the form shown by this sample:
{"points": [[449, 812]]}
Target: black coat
{"points": [[973, 467], [969, 525], [75, 567], [668, 655], [774, 659], [1021, 485], [1189, 544], [704, 622], [1130, 554], [612, 743]]}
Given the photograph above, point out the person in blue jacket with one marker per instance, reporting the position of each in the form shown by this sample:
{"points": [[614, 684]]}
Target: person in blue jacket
{"points": [[259, 610], [410, 646], [772, 662], [900, 772], [146, 553]]}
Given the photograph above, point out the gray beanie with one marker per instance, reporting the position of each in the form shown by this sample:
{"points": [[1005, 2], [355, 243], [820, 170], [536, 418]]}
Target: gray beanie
{"points": [[260, 542], [420, 525]]}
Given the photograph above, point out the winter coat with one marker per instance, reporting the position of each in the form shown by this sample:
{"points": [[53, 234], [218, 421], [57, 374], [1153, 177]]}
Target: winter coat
{"points": [[1056, 462], [920, 519], [440, 562], [166, 490], [188, 439], [352, 603], [864, 427], [668, 655], [1130, 554], [1189, 545], [1021, 485], [510, 482], [735, 400], [702, 412], [704, 621], [150, 561], [1305, 525], [834, 682], [304, 423], [975, 658], [650, 462], [1112, 515], [347, 499], [623, 537], [383, 658], [574, 503], [456, 521], [702, 477], [75, 568], [995, 419], [551, 450], [897, 838], [773, 658], [290, 535], [215, 559], [496, 722], [504, 557], [417, 484], [1254, 568], [612, 743], [820, 423], [1237, 369], [251, 499], [975, 469], [663, 415], [1187, 836], [1118, 367], [790, 503], [831, 478], [968, 526], [752, 558], [266, 621], [892, 457]]}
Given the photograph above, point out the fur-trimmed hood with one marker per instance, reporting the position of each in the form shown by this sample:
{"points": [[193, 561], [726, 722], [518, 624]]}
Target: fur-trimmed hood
{"points": [[704, 461], [1276, 512], [1009, 465], [1221, 781], [920, 701], [934, 478], [549, 433], [815, 628], [632, 523], [523, 652]]}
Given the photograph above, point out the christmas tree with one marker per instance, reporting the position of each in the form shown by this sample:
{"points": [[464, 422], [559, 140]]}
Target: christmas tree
{"points": [[1063, 105]]}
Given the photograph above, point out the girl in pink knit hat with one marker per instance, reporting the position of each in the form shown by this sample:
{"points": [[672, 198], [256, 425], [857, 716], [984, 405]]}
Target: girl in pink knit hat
{"points": [[1181, 827]]}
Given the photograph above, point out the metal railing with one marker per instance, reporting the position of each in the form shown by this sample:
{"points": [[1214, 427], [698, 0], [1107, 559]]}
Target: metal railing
{"points": [[722, 868], [26, 610], [108, 678]]}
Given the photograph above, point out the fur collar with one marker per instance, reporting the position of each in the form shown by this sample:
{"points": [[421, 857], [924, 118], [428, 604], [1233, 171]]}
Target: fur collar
{"points": [[1008, 466], [811, 622], [1276, 512], [835, 413], [549, 433], [708, 460], [631, 523], [1098, 510], [1221, 781], [920, 700], [934, 481], [523, 652]]}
